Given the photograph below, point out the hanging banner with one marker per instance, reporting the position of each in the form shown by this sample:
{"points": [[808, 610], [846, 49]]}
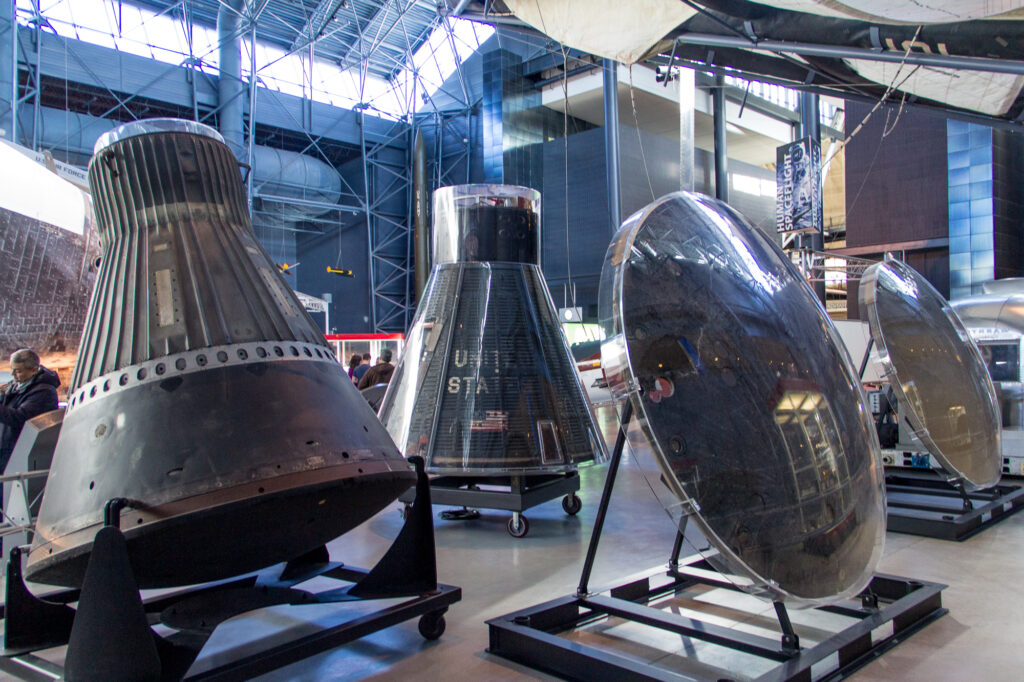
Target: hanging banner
{"points": [[798, 203]]}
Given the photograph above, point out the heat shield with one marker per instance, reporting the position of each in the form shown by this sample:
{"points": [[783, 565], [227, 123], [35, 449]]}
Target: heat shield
{"points": [[940, 379], [745, 399]]}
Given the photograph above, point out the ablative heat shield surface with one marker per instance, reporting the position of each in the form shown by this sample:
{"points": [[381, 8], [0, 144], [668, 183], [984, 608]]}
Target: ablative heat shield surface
{"points": [[745, 396], [486, 384], [203, 394], [939, 377]]}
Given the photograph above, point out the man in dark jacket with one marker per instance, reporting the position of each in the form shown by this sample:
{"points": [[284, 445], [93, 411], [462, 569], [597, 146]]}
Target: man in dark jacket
{"points": [[364, 367], [379, 373], [32, 392]]}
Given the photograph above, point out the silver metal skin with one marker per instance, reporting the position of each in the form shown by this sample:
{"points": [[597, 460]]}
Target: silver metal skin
{"points": [[203, 393], [154, 125], [486, 384], [940, 379], [486, 223], [749, 418]]}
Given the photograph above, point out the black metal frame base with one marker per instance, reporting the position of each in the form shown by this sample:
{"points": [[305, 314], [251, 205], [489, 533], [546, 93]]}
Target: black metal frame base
{"points": [[924, 502], [108, 635], [516, 494], [890, 610]]}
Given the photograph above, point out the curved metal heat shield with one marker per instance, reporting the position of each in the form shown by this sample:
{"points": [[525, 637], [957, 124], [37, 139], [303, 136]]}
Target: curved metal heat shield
{"points": [[745, 395], [934, 366]]}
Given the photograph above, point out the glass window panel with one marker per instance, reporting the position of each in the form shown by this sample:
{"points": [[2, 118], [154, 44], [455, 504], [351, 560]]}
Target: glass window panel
{"points": [[981, 155], [958, 142], [981, 136], [981, 172], [960, 192], [981, 242], [959, 210], [981, 224], [982, 259], [980, 189], [959, 261], [981, 207], [957, 127], [960, 159], [959, 176], [959, 244], [981, 275], [959, 228], [959, 278]]}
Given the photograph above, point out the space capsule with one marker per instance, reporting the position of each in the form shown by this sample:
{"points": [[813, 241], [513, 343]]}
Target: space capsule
{"points": [[486, 383], [204, 395]]}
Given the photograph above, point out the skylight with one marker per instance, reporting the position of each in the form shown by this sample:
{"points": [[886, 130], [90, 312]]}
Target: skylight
{"points": [[165, 38]]}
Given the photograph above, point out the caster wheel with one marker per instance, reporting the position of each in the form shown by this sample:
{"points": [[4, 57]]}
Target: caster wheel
{"points": [[572, 504], [518, 530], [431, 626]]}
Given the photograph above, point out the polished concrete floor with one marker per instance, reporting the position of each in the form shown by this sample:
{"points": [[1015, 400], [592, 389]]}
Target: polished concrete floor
{"points": [[980, 637]]}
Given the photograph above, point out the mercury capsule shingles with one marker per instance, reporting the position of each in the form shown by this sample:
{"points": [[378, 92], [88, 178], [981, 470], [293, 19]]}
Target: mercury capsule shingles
{"points": [[487, 384], [203, 393]]}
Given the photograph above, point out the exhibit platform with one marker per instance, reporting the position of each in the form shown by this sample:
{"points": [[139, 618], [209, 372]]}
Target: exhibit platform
{"points": [[921, 501], [692, 623]]}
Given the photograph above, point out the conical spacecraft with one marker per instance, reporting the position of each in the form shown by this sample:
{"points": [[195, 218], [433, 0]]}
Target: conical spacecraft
{"points": [[486, 383], [204, 395]]}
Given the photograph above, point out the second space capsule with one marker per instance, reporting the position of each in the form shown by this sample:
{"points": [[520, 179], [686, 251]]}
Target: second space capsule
{"points": [[486, 383]]}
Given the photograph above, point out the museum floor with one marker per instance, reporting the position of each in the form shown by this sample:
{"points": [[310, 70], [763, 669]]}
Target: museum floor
{"points": [[980, 637]]}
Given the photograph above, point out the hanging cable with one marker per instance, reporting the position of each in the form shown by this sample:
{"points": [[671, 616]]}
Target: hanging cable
{"points": [[639, 138]]}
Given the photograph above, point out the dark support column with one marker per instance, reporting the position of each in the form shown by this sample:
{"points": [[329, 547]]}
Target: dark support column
{"points": [[421, 212], [721, 150], [810, 126], [230, 89], [611, 140]]}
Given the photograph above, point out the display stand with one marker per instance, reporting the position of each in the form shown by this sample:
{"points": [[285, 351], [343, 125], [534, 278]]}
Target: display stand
{"points": [[932, 503], [515, 493], [553, 636], [108, 635], [925, 502]]}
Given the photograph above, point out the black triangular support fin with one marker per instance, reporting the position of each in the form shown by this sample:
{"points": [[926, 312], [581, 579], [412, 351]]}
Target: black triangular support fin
{"points": [[111, 638], [410, 564], [29, 622]]}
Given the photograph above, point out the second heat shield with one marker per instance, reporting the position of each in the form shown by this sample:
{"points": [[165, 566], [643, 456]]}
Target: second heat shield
{"points": [[203, 394], [486, 383]]}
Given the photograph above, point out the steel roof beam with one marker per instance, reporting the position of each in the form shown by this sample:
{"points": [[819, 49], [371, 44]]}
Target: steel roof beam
{"points": [[318, 20]]}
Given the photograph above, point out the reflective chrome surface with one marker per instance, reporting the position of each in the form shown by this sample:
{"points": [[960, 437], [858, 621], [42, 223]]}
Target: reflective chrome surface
{"points": [[486, 383], [747, 398], [486, 223], [154, 125], [936, 370]]}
